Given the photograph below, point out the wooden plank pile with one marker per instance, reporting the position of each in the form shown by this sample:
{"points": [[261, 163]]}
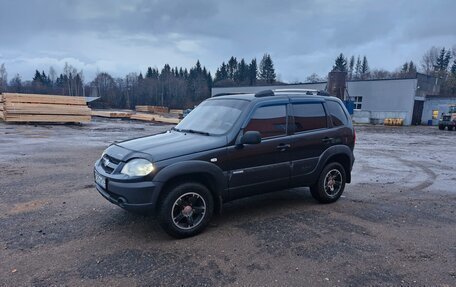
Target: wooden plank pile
{"points": [[112, 114], [177, 113], [157, 114], [43, 108], [143, 117], [152, 109], [154, 118]]}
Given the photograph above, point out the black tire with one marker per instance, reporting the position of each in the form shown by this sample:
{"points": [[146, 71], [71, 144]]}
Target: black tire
{"points": [[182, 206], [441, 127], [450, 128], [321, 190]]}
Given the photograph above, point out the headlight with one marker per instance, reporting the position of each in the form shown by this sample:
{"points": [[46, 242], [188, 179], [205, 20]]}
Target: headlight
{"points": [[137, 167], [104, 152]]}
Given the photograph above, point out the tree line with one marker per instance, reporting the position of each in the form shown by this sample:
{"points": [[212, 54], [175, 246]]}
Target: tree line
{"points": [[182, 88], [435, 62], [173, 87]]}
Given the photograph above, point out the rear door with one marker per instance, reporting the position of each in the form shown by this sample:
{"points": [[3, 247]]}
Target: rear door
{"points": [[262, 167], [310, 137]]}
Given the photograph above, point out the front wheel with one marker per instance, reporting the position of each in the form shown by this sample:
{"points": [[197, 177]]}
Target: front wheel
{"points": [[330, 184], [441, 127], [186, 210]]}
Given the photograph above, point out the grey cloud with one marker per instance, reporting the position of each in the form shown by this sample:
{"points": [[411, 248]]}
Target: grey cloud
{"points": [[302, 36]]}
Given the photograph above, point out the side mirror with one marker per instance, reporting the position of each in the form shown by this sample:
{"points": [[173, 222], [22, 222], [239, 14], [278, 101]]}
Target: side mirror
{"points": [[251, 137]]}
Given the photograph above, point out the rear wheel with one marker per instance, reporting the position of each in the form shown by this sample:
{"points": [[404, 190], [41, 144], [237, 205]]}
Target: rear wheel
{"points": [[186, 210], [330, 184], [441, 127], [450, 128]]}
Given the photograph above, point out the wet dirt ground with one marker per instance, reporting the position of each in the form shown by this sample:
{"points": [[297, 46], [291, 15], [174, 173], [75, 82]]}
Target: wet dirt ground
{"points": [[395, 224]]}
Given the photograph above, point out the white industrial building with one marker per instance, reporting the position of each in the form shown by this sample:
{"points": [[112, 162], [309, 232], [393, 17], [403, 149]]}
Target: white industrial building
{"points": [[416, 100]]}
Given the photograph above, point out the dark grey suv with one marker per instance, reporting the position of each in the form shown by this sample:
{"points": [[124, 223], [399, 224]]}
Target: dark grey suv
{"points": [[229, 147]]}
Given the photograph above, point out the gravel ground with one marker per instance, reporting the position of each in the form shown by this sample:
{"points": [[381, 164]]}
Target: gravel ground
{"points": [[394, 225]]}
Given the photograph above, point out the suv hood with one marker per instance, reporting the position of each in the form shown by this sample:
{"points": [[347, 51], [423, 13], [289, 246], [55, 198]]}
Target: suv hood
{"points": [[172, 144]]}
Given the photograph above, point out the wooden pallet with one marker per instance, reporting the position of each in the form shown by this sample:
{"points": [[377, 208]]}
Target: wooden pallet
{"points": [[43, 108]]}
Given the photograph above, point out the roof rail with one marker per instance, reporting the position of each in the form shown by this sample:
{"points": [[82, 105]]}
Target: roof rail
{"points": [[306, 91], [228, 94], [265, 93], [296, 90]]}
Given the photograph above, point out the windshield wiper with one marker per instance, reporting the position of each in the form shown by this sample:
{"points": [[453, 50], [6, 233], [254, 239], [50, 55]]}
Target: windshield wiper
{"points": [[191, 131]]}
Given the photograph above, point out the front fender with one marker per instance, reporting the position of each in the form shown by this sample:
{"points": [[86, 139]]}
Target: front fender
{"points": [[195, 167]]}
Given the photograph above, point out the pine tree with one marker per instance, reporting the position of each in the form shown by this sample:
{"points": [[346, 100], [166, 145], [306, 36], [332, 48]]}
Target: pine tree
{"points": [[253, 71], [232, 67], [340, 64], [364, 69], [351, 67], [412, 67], [453, 68], [442, 63], [149, 73], [358, 68], [242, 72], [405, 68], [267, 71], [37, 78]]}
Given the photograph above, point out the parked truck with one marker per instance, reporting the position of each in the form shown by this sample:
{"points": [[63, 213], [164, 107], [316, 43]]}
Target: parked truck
{"points": [[448, 120]]}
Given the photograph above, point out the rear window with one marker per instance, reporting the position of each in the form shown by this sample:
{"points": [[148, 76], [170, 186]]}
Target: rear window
{"points": [[309, 116], [337, 114], [270, 121]]}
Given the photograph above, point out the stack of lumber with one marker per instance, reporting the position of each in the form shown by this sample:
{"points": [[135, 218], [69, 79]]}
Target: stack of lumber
{"points": [[177, 113], [152, 109], [43, 108], [143, 117], [112, 114], [154, 118]]}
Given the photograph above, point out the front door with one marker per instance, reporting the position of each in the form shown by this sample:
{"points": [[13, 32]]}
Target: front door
{"points": [[417, 112], [263, 167]]}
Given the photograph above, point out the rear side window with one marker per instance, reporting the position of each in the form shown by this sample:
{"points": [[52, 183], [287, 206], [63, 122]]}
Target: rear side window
{"points": [[309, 116], [270, 121], [337, 114]]}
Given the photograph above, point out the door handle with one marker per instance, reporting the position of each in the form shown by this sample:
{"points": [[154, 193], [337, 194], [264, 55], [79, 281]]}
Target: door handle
{"points": [[327, 140], [283, 147]]}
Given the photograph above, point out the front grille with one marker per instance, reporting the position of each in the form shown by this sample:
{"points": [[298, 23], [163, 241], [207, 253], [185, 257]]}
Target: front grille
{"points": [[109, 164]]}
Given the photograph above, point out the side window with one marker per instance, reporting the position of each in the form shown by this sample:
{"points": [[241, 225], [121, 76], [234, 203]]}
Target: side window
{"points": [[338, 116], [308, 117], [270, 121]]}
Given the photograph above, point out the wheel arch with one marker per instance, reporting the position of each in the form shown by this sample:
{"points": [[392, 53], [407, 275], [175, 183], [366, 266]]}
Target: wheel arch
{"points": [[208, 174], [341, 154]]}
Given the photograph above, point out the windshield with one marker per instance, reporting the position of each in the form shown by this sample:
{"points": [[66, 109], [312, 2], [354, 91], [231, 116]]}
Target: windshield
{"points": [[214, 117]]}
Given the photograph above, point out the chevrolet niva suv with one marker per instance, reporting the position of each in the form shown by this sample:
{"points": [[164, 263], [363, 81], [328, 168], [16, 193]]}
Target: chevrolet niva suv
{"points": [[229, 147]]}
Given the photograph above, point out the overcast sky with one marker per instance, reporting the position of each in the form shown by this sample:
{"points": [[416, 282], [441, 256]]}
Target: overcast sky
{"points": [[302, 37]]}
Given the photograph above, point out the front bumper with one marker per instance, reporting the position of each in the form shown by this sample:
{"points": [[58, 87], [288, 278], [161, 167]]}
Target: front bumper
{"points": [[140, 196]]}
